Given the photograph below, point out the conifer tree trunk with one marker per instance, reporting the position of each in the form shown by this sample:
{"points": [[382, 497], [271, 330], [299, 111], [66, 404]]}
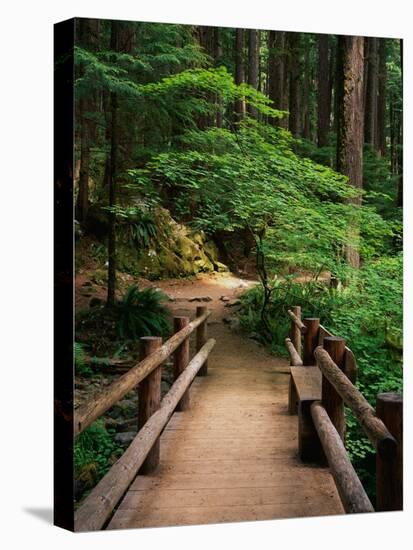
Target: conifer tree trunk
{"points": [[324, 91], [399, 153], [206, 38], [382, 97], [239, 69], [82, 203], [350, 124], [338, 85], [87, 29], [331, 73], [365, 73], [217, 59], [114, 139], [370, 121], [294, 71], [306, 95], [276, 74], [253, 65]]}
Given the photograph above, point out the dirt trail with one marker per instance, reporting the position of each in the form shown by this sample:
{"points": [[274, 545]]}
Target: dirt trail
{"points": [[220, 289], [233, 455]]}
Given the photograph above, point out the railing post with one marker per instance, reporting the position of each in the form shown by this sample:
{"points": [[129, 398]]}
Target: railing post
{"points": [[310, 340], [295, 331], [150, 399], [181, 359], [389, 469], [309, 447], [331, 401], [201, 338]]}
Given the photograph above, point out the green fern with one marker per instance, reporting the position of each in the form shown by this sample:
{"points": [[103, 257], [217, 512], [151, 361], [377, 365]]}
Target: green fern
{"points": [[142, 313], [80, 360], [143, 231]]}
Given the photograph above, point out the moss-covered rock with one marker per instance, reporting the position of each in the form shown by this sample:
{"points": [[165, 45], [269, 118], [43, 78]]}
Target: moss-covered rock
{"points": [[176, 252]]}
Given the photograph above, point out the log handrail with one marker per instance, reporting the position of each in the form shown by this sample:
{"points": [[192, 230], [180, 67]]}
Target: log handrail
{"points": [[322, 426], [99, 504], [96, 406], [351, 491], [374, 428], [298, 323], [295, 359]]}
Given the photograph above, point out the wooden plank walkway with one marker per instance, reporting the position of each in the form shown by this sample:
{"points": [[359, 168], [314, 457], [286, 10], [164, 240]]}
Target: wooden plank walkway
{"points": [[233, 456]]}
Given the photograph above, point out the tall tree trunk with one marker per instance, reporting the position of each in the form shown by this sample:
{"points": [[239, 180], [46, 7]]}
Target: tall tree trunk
{"points": [[206, 37], [370, 121], [217, 59], [324, 91], [350, 125], [114, 138], [400, 140], [336, 54], [253, 65], [381, 101], [294, 71], [306, 94], [82, 203], [276, 74], [87, 38], [365, 73], [392, 137], [239, 70]]}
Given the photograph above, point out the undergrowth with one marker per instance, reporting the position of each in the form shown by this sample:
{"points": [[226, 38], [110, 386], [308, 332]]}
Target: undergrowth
{"points": [[139, 313], [94, 454]]}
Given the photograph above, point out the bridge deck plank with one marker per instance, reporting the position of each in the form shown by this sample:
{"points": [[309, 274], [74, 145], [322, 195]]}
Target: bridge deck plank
{"points": [[233, 455]]}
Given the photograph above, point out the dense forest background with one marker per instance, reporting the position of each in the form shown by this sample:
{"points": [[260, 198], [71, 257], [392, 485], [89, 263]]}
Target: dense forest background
{"points": [[281, 155]]}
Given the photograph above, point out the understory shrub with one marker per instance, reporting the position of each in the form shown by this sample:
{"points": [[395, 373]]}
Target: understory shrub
{"points": [[80, 360], [142, 313], [94, 454]]}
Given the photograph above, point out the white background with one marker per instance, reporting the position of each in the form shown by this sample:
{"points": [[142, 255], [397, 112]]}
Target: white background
{"points": [[26, 270]]}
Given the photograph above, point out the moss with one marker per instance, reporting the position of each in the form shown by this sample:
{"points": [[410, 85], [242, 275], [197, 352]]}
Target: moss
{"points": [[222, 268], [211, 251], [170, 264], [177, 252], [99, 276], [185, 248]]}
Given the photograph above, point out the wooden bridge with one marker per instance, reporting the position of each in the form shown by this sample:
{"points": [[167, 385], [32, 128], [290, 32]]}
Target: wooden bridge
{"points": [[228, 445]]}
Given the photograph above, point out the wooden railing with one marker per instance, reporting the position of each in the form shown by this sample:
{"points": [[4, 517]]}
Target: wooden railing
{"points": [[142, 455], [322, 419]]}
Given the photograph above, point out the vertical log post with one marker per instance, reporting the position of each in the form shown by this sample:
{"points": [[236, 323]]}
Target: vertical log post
{"points": [[295, 331], [201, 338], [150, 399], [331, 400], [389, 469], [181, 360], [310, 340], [292, 397], [309, 446]]}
